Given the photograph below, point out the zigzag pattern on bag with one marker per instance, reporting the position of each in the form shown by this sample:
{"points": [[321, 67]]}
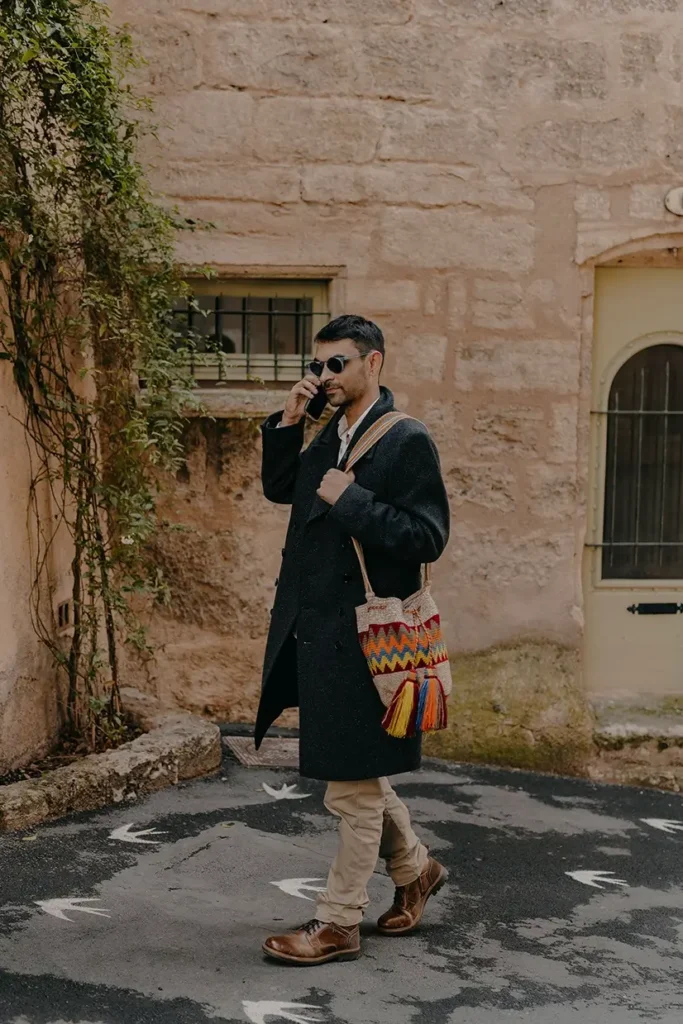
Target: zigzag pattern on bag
{"points": [[390, 647]]}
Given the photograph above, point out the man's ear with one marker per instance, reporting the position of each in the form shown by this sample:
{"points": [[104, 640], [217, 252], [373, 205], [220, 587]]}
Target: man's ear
{"points": [[376, 361]]}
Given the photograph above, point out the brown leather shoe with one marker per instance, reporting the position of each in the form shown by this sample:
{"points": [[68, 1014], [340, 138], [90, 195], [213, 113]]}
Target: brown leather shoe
{"points": [[410, 900], [316, 942]]}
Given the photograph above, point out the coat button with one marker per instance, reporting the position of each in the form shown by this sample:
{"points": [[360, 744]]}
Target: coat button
{"points": [[341, 613], [347, 577], [338, 645], [277, 580]]}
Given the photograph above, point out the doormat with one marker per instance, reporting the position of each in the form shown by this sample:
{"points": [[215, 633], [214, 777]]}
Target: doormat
{"points": [[274, 752]]}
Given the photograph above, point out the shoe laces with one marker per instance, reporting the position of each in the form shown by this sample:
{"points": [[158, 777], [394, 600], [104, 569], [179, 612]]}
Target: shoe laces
{"points": [[311, 926]]}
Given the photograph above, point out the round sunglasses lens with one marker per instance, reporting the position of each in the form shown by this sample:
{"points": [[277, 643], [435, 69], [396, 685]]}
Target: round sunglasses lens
{"points": [[335, 364], [316, 367]]}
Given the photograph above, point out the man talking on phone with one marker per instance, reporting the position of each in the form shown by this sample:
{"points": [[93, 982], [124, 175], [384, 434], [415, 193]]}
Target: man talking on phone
{"points": [[394, 503]]}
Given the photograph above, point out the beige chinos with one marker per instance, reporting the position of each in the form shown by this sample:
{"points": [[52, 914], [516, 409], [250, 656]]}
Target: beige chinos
{"points": [[373, 823]]}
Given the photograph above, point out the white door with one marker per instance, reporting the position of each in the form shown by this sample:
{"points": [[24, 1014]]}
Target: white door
{"points": [[633, 559]]}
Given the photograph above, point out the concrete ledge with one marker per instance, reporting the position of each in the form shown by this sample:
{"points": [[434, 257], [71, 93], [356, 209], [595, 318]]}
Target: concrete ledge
{"points": [[638, 743], [177, 747]]}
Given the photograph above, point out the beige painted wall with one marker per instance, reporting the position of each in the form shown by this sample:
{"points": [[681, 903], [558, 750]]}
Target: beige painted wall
{"points": [[29, 715], [463, 162]]}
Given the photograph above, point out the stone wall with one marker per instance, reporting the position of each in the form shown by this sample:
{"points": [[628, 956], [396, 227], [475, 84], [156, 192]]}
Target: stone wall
{"points": [[29, 698], [461, 162]]}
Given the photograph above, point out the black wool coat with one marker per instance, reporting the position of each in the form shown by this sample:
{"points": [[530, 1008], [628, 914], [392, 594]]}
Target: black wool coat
{"points": [[397, 508]]}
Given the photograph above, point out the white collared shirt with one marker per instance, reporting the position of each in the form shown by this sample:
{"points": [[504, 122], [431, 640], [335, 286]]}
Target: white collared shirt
{"points": [[346, 432]]}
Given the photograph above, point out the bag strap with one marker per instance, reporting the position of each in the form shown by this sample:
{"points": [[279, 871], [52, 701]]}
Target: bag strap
{"points": [[372, 435]]}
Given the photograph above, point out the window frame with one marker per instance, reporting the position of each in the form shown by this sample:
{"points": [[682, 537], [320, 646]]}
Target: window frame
{"points": [[598, 481], [211, 370]]}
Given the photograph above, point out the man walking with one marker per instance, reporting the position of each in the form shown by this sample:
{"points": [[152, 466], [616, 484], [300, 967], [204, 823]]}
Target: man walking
{"points": [[395, 504]]}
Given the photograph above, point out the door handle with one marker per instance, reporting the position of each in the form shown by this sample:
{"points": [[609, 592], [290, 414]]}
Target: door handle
{"points": [[655, 608]]}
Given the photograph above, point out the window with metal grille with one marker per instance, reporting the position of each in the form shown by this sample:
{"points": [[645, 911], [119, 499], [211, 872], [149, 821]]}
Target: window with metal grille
{"points": [[643, 523], [251, 329]]}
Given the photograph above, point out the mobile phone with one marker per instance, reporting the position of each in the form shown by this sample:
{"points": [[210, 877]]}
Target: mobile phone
{"points": [[315, 406]]}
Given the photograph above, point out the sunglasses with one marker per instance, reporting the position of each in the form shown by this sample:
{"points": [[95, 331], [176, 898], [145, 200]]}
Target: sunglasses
{"points": [[335, 364]]}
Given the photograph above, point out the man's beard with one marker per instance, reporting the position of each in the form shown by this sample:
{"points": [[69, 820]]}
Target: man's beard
{"points": [[338, 398]]}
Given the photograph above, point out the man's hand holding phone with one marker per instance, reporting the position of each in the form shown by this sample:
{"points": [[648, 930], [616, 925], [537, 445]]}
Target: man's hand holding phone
{"points": [[307, 390]]}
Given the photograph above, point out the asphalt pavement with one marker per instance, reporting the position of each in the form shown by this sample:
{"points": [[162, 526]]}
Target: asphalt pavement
{"points": [[564, 905]]}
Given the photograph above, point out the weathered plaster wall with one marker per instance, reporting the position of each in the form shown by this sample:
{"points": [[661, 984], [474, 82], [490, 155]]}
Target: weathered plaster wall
{"points": [[459, 159], [28, 695]]}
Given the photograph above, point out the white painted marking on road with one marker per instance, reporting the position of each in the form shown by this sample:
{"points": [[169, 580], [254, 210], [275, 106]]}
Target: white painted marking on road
{"points": [[257, 1012], [293, 886], [286, 793], [664, 824], [124, 834], [593, 877], [57, 907]]}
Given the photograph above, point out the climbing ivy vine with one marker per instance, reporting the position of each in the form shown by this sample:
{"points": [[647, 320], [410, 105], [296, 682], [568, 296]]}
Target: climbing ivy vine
{"points": [[87, 279]]}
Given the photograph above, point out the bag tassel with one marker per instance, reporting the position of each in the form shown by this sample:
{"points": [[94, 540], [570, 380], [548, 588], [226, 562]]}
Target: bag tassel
{"points": [[432, 713], [401, 715]]}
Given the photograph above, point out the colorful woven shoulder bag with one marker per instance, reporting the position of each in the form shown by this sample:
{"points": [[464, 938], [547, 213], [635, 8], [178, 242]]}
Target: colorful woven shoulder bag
{"points": [[401, 639]]}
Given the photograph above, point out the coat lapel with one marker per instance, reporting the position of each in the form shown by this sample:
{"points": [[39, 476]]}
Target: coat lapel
{"points": [[384, 405]]}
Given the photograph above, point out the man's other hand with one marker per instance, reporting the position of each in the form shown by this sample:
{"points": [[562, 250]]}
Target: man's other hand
{"points": [[333, 485]]}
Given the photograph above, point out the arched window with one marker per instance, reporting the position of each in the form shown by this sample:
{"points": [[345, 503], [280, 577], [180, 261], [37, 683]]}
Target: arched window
{"points": [[643, 525]]}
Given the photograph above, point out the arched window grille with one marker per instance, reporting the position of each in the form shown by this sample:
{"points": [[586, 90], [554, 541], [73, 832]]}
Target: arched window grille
{"points": [[643, 524]]}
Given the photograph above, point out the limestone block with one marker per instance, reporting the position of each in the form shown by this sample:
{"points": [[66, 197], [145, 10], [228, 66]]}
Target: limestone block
{"points": [[488, 486], [422, 184], [295, 58], [677, 67], [550, 144], [647, 202], [333, 246], [592, 203], [490, 12], [544, 289], [433, 296], [601, 9], [437, 136], [508, 556], [205, 125], [351, 12], [540, 69], [205, 180], [507, 365], [172, 49], [457, 303], [367, 297], [443, 418], [406, 64], [417, 184], [421, 357], [498, 433], [615, 144], [674, 138], [332, 60], [639, 53], [551, 491], [564, 433], [315, 130], [457, 238], [500, 305]]}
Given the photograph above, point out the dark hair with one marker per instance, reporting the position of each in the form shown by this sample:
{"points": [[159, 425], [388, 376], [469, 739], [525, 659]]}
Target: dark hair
{"points": [[365, 335]]}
